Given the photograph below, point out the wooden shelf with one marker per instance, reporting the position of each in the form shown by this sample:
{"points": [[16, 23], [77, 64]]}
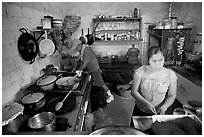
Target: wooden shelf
{"points": [[115, 19]]}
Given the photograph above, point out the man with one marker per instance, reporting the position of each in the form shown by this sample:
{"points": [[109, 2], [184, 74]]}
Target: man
{"points": [[90, 64]]}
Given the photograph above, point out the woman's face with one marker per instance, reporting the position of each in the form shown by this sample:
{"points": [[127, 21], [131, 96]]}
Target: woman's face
{"points": [[157, 60]]}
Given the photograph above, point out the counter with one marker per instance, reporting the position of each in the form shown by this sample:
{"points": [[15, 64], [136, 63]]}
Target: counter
{"points": [[189, 73]]}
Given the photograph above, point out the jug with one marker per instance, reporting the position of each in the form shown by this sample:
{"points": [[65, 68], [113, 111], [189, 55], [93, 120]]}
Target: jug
{"points": [[132, 55]]}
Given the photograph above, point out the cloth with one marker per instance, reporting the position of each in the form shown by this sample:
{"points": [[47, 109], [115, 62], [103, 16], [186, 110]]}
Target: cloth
{"points": [[154, 86]]}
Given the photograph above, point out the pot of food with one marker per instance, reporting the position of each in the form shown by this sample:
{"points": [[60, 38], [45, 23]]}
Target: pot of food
{"points": [[33, 101], [46, 83], [67, 82], [44, 121], [12, 117], [118, 130]]}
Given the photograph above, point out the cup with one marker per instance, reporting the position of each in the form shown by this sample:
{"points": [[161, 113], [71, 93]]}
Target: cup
{"points": [[180, 111]]}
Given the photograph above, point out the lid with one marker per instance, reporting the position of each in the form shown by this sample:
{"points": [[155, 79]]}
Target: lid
{"points": [[32, 98], [46, 80], [47, 47], [10, 112]]}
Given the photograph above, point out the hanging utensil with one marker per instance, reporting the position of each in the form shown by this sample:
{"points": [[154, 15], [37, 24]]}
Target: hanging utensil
{"points": [[47, 47], [27, 46], [60, 104]]}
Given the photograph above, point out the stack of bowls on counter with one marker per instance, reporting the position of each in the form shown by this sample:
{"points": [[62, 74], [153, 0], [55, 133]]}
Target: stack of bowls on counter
{"points": [[57, 23]]}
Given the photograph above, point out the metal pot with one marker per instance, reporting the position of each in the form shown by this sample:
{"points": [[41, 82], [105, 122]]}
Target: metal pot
{"points": [[27, 46], [12, 117], [44, 121], [66, 82], [46, 83], [33, 101]]}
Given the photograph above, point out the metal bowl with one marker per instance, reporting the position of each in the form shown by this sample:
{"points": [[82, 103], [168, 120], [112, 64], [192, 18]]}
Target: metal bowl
{"points": [[44, 121], [118, 130]]}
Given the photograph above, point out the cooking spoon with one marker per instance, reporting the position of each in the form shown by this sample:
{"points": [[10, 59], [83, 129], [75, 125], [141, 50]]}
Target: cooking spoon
{"points": [[60, 104]]}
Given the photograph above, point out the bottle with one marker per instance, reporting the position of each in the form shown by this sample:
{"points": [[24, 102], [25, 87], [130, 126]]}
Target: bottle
{"points": [[133, 55], [135, 13]]}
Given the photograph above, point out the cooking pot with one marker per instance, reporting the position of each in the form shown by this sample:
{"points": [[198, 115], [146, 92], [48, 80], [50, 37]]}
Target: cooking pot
{"points": [[44, 121], [117, 130], [12, 117], [66, 82], [69, 104], [46, 83], [33, 101], [27, 46]]}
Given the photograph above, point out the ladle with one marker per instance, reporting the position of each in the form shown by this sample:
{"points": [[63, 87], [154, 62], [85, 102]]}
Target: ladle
{"points": [[60, 104]]}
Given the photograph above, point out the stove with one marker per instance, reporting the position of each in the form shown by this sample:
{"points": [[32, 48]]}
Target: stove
{"points": [[65, 118]]}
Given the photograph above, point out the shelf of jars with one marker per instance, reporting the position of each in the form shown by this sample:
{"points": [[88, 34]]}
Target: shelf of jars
{"points": [[116, 19]]}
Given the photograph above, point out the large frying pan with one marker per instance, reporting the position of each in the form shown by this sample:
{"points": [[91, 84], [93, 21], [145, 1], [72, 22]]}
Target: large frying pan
{"points": [[27, 46], [69, 105]]}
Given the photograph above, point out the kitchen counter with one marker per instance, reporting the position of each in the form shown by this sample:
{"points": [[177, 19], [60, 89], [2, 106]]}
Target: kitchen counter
{"points": [[189, 73]]}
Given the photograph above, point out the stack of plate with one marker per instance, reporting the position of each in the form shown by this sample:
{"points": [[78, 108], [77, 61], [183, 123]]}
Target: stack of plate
{"points": [[57, 23]]}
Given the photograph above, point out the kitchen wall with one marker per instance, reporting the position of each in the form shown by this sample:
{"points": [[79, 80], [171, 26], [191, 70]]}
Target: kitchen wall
{"points": [[17, 73]]}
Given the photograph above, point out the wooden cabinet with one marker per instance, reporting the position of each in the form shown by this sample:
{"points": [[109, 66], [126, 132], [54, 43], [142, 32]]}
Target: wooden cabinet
{"points": [[187, 90], [118, 30]]}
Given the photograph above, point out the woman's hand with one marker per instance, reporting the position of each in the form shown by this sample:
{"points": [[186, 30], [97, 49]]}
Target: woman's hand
{"points": [[161, 110], [148, 108]]}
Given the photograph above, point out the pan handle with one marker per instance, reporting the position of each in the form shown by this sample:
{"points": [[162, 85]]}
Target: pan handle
{"points": [[22, 30], [31, 62]]}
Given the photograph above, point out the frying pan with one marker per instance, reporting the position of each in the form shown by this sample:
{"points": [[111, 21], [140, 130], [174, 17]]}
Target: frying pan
{"points": [[69, 104], [27, 46], [82, 38], [90, 38]]}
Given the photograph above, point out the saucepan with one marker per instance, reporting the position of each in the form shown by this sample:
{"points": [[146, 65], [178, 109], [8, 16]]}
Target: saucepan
{"points": [[44, 121]]}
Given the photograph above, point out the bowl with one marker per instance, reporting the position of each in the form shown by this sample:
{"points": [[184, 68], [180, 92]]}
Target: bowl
{"points": [[180, 111]]}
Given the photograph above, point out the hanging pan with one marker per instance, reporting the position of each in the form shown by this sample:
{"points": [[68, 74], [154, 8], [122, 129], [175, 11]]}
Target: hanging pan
{"points": [[27, 46], [47, 47]]}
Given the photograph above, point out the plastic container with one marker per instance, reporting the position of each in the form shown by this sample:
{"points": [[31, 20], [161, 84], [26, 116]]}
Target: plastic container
{"points": [[133, 55]]}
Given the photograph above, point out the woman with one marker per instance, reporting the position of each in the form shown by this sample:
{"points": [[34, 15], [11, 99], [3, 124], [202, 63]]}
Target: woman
{"points": [[154, 86], [90, 64]]}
